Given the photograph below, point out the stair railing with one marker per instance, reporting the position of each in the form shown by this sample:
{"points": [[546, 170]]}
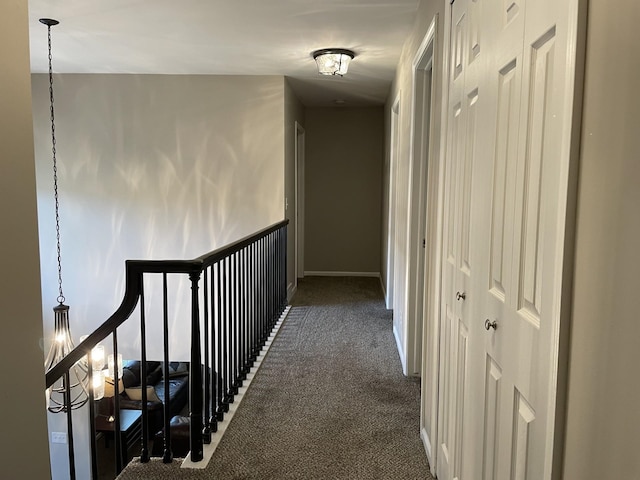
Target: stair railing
{"points": [[243, 295]]}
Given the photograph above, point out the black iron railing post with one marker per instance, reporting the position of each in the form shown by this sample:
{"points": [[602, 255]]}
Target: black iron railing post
{"points": [[206, 430], [195, 374]]}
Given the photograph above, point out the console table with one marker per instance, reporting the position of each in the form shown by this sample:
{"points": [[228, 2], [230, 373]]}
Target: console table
{"points": [[130, 430]]}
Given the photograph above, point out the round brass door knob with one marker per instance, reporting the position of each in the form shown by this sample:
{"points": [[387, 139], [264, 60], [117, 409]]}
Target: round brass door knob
{"points": [[489, 325]]}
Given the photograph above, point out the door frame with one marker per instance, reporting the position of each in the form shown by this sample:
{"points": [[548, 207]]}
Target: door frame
{"points": [[393, 201], [423, 151], [425, 222], [299, 201]]}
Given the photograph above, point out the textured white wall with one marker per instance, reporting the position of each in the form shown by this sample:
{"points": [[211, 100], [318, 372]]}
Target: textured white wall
{"points": [[152, 167], [24, 430]]}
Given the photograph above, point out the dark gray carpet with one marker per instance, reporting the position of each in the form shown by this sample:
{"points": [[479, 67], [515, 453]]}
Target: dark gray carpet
{"points": [[329, 402]]}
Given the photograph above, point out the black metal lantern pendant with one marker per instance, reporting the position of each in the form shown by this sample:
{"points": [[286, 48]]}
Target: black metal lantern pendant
{"points": [[62, 344]]}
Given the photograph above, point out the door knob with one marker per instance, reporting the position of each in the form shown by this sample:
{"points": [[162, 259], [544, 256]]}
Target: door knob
{"points": [[461, 296], [488, 325]]}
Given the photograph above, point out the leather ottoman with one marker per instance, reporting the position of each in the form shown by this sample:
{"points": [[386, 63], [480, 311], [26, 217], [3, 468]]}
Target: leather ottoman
{"points": [[180, 446]]}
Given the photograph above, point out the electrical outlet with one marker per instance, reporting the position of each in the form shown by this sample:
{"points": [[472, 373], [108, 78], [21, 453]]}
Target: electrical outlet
{"points": [[58, 437]]}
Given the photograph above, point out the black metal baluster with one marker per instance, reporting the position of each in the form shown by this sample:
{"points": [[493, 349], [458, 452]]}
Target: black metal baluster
{"points": [[116, 405], [206, 430], [276, 285], [279, 269], [253, 297], [250, 350], [278, 272], [222, 406], [245, 312], [228, 368], [262, 293], [283, 261], [234, 289], [265, 284], [238, 322], [213, 422], [167, 455], [239, 283], [195, 374], [92, 420], [144, 453], [274, 281], [270, 281], [66, 382], [265, 333], [271, 284], [239, 349]]}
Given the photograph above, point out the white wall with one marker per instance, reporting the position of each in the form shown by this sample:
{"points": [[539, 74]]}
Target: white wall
{"points": [[152, 167], [23, 442], [603, 419]]}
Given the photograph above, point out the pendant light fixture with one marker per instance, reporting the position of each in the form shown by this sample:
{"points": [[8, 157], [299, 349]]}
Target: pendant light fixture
{"points": [[333, 61], [62, 343]]}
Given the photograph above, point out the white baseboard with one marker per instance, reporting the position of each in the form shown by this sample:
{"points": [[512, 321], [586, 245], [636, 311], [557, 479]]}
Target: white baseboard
{"points": [[426, 442], [403, 359], [209, 449], [291, 291], [384, 292], [341, 274]]}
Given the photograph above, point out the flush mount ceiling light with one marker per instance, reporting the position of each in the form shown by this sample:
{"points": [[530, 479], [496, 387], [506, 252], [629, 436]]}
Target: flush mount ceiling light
{"points": [[333, 61]]}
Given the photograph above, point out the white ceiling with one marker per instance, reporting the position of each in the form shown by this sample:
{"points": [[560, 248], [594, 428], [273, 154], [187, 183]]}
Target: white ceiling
{"points": [[229, 37]]}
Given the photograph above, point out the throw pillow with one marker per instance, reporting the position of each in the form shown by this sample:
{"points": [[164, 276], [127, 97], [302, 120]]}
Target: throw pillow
{"points": [[135, 393]]}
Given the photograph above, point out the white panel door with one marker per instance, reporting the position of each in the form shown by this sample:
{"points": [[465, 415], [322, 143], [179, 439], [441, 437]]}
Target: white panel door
{"points": [[522, 296], [457, 262], [505, 196]]}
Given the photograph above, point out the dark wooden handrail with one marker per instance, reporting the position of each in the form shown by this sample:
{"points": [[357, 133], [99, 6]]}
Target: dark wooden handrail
{"points": [[134, 270]]}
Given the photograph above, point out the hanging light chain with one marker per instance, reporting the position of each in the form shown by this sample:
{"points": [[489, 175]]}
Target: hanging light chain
{"points": [[55, 171]]}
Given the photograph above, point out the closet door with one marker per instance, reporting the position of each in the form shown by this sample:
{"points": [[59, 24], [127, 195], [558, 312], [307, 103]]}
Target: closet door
{"points": [[509, 133], [524, 211], [457, 276]]}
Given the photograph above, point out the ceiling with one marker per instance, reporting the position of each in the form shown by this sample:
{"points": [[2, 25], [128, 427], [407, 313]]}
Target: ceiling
{"points": [[229, 37]]}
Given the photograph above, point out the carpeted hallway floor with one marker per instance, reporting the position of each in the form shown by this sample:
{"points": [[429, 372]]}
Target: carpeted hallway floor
{"points": [[329, 402]]}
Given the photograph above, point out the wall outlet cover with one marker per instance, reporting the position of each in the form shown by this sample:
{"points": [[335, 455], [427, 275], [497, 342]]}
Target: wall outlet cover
{"points": [[58, 437]]}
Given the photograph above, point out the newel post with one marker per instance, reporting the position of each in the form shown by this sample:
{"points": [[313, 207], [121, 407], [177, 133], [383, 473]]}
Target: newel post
{"points": [[195, 374]]}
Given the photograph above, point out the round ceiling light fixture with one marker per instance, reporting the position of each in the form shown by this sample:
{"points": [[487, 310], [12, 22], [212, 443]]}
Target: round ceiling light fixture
{"points": [[333, 61]]}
